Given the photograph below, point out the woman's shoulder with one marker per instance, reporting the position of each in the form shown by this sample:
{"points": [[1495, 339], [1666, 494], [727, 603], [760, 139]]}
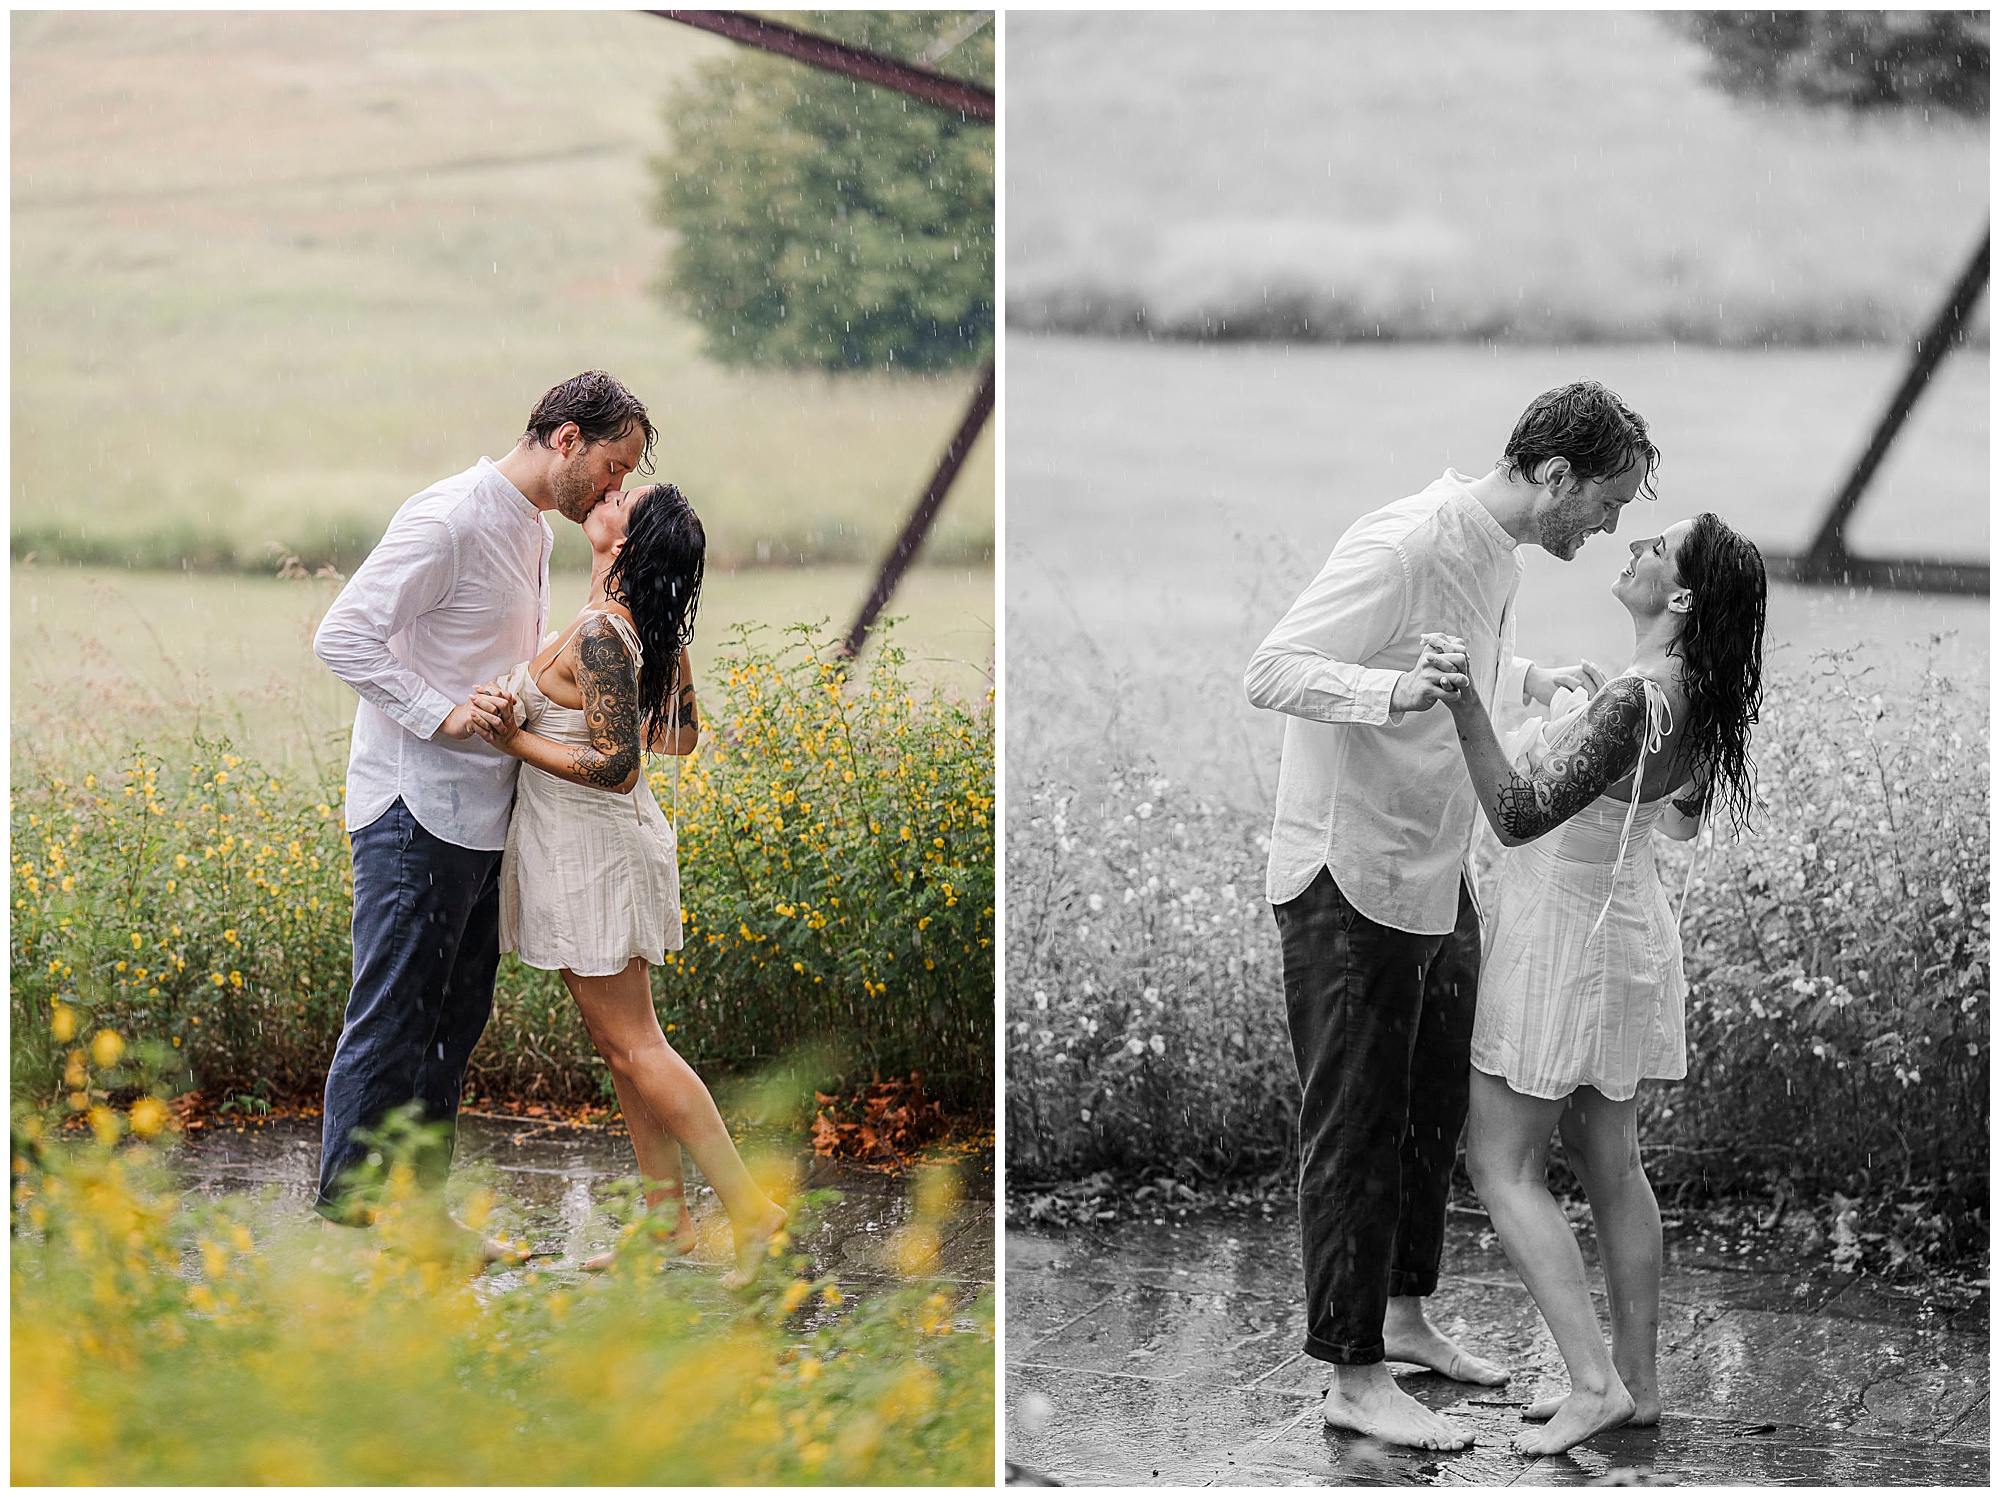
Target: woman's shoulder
{"points": [[611, 628]]}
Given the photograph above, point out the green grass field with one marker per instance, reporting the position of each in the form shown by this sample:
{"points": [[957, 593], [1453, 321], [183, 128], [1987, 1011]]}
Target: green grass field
{"points": [[1546, 176], [104, 656], [275, 272]]}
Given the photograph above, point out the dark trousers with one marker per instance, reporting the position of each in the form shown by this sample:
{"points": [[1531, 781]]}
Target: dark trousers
{"points": [[426, 946], [1381, 1024]]}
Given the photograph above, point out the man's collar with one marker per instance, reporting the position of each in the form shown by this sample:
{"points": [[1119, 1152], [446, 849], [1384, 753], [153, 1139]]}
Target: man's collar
{"points": [[1480, 515], [505, 485]]}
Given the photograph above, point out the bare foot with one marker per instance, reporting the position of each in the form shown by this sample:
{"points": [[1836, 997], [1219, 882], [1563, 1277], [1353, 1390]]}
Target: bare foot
{"points": [[1580, 1416], [1427, 1346], [1645, 1409], [753, 1245], [681, 1242], [1367, 1401]]}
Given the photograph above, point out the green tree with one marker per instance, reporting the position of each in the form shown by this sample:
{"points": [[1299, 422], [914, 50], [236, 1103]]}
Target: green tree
{"points": [[830, 224], [1861, 60]]}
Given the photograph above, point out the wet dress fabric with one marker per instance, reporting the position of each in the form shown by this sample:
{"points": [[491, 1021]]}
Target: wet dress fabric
{"points": [[1580, 982], [589, 879]]}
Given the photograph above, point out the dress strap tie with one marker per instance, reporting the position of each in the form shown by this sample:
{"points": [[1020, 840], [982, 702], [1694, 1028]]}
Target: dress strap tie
{"points": [[1659, 728]]}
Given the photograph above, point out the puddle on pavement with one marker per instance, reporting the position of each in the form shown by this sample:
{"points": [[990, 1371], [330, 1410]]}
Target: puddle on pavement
{"points": [[1167, 1352], [553, 1180]]}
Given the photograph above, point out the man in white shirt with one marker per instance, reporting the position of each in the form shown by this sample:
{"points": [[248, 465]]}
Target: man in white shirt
{"points": [[1368, 880], [454, 594]]}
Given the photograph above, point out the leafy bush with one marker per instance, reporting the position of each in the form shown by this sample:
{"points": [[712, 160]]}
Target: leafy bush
{"points": [[831, 225], [1862, 61], [837, 884], [1145, 1021], [161, 1341], [1839, 963], [1840, 960]]}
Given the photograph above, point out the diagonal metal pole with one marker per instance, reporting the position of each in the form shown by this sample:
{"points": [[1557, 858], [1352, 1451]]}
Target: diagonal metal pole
{"points": [[1827, 555], [870, 67], [933, 88], [918, 526]]}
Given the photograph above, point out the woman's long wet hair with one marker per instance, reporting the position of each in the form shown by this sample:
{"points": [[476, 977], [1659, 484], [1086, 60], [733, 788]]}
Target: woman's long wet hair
{"points": [[1721, 647], [657, 575]]}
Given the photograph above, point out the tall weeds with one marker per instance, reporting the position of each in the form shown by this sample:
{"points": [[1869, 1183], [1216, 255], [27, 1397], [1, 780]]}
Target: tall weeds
{"points": [[837, 884]]}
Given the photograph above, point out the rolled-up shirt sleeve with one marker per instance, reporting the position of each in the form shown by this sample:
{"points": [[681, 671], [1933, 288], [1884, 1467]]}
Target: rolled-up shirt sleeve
{"points": [[409, 573], [1310, 665]]}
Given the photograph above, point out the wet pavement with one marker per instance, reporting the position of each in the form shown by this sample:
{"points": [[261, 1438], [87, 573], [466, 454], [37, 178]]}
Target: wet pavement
{"points": [[1148, 1353], [552, 1181]]}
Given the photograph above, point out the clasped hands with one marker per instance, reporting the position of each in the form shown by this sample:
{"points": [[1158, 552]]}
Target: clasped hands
{"points": [[488, 713], [1442, 674]]}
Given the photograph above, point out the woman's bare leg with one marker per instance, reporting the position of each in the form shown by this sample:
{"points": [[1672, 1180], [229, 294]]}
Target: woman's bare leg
{"points": [[618, 1011], [1605, 1134], [1507, 1151], [659, 1164], [1601, 1140]]}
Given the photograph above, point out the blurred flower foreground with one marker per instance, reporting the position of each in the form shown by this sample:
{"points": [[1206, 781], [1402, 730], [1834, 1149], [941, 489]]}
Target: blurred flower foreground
{"points": [[156, 1341]]}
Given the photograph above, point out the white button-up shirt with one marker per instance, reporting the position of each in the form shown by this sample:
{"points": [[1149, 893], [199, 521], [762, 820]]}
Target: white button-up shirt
{"points": [[1383, 800], [455, 593]]}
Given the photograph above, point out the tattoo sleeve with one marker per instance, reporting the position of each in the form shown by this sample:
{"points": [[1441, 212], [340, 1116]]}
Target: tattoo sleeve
{"points": [[610, 687], [1693, 803], [1596, 751], [690, 714]]}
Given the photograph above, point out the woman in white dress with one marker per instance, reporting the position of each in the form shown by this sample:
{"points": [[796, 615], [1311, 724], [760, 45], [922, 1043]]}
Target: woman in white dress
{"points": [[1581, 990], [589, 885]]}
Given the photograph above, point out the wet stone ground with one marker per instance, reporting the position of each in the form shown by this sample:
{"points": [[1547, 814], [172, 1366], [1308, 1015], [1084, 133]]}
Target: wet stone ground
{"points": [[1151, 1353], [552, 1181]]}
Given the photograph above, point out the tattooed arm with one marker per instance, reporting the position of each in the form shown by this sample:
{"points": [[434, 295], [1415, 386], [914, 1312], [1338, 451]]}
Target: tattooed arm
{"points": [[1597, 750], [610, 689], [686, 718]]}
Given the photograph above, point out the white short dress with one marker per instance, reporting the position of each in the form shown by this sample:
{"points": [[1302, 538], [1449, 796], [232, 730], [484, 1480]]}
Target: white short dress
{"points": [[1580, 979], [589, 879]]}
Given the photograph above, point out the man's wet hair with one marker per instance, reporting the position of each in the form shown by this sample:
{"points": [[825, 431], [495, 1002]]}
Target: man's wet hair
{"points": [[603, 410], [1598, 433]]}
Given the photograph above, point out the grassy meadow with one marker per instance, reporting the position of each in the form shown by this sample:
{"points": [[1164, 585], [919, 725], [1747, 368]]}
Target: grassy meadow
{"points": [[273, 272], [105, 656], [1544, 177]]}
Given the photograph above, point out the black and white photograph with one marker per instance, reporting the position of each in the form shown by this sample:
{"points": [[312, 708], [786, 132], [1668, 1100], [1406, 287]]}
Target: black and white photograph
{"points": [[1496, 756]]}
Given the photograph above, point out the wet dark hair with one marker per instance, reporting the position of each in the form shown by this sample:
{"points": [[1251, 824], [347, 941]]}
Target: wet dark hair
{"points": [[1721, 647], [1587, 424], [602, 409], [657, 575]]}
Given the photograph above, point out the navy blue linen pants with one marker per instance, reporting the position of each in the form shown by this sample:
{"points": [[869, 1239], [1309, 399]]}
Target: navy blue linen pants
{"points": [[426, 947], [1381, 1025]]}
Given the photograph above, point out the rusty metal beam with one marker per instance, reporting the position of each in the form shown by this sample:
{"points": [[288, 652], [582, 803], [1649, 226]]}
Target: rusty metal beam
{"points": [[969, 99], [918, 526]]}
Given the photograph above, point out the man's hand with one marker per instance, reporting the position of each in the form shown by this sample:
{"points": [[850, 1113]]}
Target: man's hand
{"points": [[1543, 682], [1438, 676], [466, 719], [495, 701]]}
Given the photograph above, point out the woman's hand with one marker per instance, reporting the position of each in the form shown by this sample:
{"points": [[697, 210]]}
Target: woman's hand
{"points": [[496, 723], [1440, 675], [1543, 682]]}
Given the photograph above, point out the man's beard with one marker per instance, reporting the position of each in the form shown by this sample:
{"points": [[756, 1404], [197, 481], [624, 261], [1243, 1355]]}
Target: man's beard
{"points": [[1565, 537], [574, 493]]}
